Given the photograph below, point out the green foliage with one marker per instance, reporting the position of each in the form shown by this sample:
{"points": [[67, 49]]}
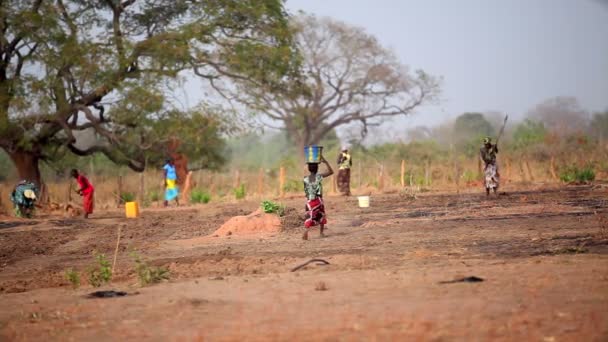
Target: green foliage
{"points": [[599, 125], [101, 273], [239, 192], [573, 174], [529, 133], [149, 274], [82, 56], [469, 130], [73, 277], [270, 207], [127, 197], [200, 196], [293, 185]]}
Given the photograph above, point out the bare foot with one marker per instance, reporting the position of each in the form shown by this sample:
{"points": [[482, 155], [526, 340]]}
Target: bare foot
{"points": [[305, 235]]}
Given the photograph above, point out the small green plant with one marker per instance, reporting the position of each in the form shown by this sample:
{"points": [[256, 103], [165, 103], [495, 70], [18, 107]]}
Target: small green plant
{"points": [[127, 197], [153, 196], [199, 196], [573, 174], [73, 277], [148, 274], [239, 192], [101, 273], [270, 207]]}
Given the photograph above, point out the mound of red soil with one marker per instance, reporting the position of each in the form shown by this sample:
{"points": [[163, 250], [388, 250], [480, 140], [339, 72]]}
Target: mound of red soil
{"points": [[254, 223]]}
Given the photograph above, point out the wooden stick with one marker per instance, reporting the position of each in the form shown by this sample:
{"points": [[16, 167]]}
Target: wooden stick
{"points": [[282, 182], [116, 250], [403, 173], [261, 181]]}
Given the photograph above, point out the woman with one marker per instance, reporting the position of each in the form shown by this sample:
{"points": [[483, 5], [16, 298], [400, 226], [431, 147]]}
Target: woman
{"points": [[171, 191], [313, 189], [86, 191]]}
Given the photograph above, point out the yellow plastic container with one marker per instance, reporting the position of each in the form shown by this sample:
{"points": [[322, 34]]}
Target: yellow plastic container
{"points": [[131, 209]]}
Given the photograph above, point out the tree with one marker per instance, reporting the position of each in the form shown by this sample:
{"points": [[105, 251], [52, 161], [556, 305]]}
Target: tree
{"points": [[469, 129], [347, 78], [599, 126], [528, 134], [104, 66], [561, 115]]}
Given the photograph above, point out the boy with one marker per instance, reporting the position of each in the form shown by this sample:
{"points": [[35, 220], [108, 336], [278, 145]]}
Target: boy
{"points": [[86, 191], [313, 189]]}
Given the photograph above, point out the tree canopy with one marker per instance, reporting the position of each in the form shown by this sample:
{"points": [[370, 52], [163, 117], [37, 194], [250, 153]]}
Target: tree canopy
{"points": [[346, 78], [105, 67]]}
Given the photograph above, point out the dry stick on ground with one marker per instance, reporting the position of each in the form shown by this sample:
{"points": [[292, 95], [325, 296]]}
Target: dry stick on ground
{"points": [[116, 250], [318, 261]]}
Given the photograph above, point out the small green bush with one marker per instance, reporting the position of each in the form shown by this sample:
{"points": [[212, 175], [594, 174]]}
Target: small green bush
{"points": [[127, 197], [101, 273], [153, 196], [73, 277], [239, 192], [200, 196], [270, 207], [573, 174], [148, 274]]}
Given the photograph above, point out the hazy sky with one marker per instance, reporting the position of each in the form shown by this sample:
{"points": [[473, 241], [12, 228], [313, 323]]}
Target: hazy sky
{"points": [[493, 55]]}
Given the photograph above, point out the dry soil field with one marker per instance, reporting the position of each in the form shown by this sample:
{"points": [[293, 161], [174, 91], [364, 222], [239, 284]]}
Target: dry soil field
{"points": [[543, 256]]}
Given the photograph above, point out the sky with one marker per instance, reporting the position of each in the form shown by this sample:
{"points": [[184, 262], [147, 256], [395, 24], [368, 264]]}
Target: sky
{"points": [[493, 55]]}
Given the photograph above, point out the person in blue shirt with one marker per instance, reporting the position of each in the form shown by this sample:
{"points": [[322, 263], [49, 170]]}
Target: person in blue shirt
{"points": [[170, 179]]}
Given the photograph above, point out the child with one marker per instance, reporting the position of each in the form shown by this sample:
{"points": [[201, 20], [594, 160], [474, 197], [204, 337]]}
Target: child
{"points": [[313, 188], [86, 191]]}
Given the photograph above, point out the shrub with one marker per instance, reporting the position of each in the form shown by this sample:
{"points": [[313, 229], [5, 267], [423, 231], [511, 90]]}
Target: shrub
{"points": [[270, 207], [73, 277], [148, 274], [153, 196], [127, 197], [573, 174], [101, 273], [200, 196], [239, 192]]}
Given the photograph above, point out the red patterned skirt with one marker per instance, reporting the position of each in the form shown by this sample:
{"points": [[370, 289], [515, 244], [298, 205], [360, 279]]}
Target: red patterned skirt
{"points": [[315, 213]]}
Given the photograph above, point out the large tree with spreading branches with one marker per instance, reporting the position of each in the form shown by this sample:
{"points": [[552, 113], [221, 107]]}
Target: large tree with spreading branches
{"points": [[102, 68], [347, 78]]}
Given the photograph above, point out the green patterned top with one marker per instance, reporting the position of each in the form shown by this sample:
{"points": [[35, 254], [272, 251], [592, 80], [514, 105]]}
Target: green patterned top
{"points": [[313, 189]]}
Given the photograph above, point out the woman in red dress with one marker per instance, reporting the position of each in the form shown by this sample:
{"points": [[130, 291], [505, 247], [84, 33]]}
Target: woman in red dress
{"points": [[86, 191]]}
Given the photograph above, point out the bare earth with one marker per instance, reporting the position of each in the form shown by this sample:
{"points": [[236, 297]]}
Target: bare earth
{"points": [[543, 256]]}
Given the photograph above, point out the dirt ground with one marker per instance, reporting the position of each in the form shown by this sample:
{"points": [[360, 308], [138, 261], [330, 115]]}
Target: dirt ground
{"points": [[543, 255]]}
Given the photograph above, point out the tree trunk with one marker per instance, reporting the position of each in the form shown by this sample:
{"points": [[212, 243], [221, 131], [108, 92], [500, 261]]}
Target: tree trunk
{"points": [[27, 165]]}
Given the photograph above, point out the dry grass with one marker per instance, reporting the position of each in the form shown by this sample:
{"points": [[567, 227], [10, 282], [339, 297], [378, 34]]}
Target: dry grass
{"points": [[364, 181]]}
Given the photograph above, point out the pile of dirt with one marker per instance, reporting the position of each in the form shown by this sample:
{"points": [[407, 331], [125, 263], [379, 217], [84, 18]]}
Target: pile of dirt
{"points": [[254, 223], [292, 220]]}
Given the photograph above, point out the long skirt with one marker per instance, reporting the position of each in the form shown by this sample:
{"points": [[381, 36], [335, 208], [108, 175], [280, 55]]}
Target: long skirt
{"points": [[344, 181], [171, 191], [315, 213], [88, 202], [491, 176]]}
